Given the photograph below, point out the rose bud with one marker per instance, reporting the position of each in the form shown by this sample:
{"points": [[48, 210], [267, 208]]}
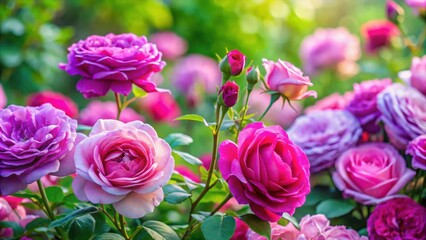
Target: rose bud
{"points": [[394, 12], [233, 63], [229, 92], [378, 34], [253, 76]]}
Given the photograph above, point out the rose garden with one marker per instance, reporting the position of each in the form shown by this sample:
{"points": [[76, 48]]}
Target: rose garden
{"points": [[149, 134]]}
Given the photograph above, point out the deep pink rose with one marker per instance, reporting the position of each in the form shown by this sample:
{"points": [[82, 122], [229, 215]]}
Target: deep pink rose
{"points": [[113, 62], [378, 34], [398, 218], [96, 110], [35, 141], [123, 164], [188, 173], [236, 61], [287, 79], [229, 93], [57, 100], [259, 101], [162, 107], [417, 149], [418, 74], [278, 232], [170, 44], [330, 48], [3, 99], [12, 212], [265, 170], [371, 173], [241, 229], [334, 101]]}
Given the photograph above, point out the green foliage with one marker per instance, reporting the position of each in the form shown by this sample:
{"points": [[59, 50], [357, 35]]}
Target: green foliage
{"points": [[55, 194], [178, 139], [159, 231], [218, 227], [109, 236], [71, 216], [258, 225], [82, 228], [333, 208], [175, 194], [186, 157]]}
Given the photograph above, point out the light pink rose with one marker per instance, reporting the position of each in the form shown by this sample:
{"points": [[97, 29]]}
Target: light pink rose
{"points": [[278, 232], [278, 114], [162, 107], [47, 181], [170, 44], [11, 211], [3, 99], [313, 226], [96, 110], [418, 74], [332, 48], [287, 79], [371, 173], [334, 101], [340, 233], [123, 164]]}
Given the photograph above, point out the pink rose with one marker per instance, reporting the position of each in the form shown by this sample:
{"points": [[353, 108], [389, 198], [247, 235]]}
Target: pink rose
{"points": [[162, 107], [3, 99], [236, 61], [312, 227], [123, 164], [257, 167], [241, 229], [334, 101], [47, 181], [278, 232], [340, 232], [418, 6], [378, 34], [188, 173], [11, 211], [96, 110], [287, 79], [417, 149], [418, 74], [170, 44], [371, 173], [229, 93], [57, 100], [259, 101]]}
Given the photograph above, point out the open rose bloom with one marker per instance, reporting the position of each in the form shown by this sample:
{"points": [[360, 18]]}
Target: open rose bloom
{"points": [[124, 164]]}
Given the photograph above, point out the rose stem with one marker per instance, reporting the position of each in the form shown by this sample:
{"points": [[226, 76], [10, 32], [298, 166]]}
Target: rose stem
{"points": [[49, 211], [240, 126], [119, 107], [229, 196]]}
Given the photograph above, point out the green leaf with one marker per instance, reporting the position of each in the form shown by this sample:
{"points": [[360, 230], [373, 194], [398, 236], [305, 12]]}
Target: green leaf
{"points": [[159, 231], [28, 195], [17, 229], [82, 228], [37, 223], [138, 92], [258, 225], [73, 215], [55, 194], [175, 194], [291, 219], [81, 128], [317, 195], [333, 208], [187, 157], [218, 227], [178, 139], [109, 236], [193, 117], [198, 217], [71, 198]]}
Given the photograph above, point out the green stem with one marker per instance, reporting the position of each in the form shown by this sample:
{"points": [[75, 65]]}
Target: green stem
{"points": [[410, 45], [48, 210], [123, 226], [119, 106], [274, 98], [240, 126], [229, 196]]}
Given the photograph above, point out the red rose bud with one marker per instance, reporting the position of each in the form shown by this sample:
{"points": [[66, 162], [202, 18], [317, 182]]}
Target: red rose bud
{"points": [[229, 92], [394, 12], [233, 63]]}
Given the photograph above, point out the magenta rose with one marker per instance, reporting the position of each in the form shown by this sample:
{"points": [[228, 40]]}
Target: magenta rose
{"points": [[278, 232], [113, 62], [334, 101], [241, 229], [57, 100], [229, 93], [418, 74], [398, 218], [287, 79], [96, 110], [371, 173], [378, 34], [335, 49], [161, 107], [35, 141], [236, 61], [258, 171], [170, 44], [3, 99], [364, 103], [417, 149], [123, 164]]}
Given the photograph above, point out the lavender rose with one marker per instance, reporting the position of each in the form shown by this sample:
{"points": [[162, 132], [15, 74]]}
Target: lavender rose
{"points": [[325, 135], [123, 164], [113, 62], [403, 112], [35, 141], [364, 103], [371, 173], [399, 218], [265, 170], [417, 149]]}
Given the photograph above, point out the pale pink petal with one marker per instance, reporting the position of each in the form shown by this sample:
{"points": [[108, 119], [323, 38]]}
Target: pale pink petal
{"points": [[136, 205]]}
